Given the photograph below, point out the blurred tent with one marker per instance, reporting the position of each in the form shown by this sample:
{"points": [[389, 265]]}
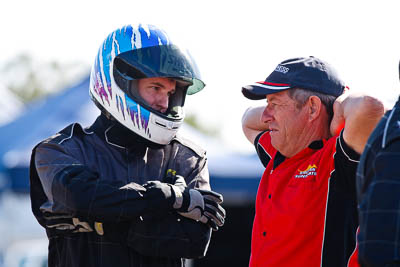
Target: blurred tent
{"points": [[40, 120], [233, 173], [11, 105]]}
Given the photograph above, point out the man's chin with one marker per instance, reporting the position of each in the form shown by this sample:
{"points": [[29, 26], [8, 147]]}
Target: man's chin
{"points": [[275, 144]]}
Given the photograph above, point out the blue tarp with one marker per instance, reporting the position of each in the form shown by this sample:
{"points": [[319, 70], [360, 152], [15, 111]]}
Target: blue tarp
{"points": [[43, 117], [40, 120]]}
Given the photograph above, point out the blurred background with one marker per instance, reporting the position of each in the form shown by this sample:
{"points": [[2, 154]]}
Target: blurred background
{"points": [[48, 48]]}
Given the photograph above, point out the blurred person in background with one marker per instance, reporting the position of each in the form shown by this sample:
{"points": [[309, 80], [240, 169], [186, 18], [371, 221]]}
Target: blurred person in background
{"points": [[378, 191], [128, 191], [306, 208]]}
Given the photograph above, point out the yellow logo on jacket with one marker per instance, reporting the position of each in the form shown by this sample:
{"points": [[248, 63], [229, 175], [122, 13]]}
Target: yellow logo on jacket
{"points": [[311, 170]]}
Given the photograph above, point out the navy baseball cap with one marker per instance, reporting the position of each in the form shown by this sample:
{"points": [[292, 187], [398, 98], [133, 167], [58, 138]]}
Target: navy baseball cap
{"points": [[308, 73]]}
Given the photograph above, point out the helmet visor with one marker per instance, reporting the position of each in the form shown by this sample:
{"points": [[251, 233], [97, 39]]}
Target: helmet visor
{"points": [[160, 61]]}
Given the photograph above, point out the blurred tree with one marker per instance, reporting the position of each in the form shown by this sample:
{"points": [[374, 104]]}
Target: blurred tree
{"points": [[31, 79], [193, 121]]}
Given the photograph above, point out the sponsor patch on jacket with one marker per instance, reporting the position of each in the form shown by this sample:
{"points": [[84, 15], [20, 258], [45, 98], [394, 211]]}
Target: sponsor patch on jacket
{"points": [[311, 170]]}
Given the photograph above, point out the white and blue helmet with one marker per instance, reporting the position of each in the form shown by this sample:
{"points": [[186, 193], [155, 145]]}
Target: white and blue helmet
{"points": [[144, 51]]}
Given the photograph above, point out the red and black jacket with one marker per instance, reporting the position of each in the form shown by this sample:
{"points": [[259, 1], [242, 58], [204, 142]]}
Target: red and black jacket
{"points": [[306, 208]]}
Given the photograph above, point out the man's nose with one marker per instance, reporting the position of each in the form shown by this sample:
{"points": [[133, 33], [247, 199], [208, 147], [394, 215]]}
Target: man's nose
{"points": [[266, 116], [162, 103]]}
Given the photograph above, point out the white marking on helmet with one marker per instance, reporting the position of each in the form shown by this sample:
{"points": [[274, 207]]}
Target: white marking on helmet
{"points": [[146, 29]]}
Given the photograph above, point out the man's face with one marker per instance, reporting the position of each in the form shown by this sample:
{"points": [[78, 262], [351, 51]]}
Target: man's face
{"points": [[286, 122], [156, 92]]}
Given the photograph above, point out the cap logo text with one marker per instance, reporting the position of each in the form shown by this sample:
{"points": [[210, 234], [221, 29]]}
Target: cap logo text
{"points": [[282, 69]]}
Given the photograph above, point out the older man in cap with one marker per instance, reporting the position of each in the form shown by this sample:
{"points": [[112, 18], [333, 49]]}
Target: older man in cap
{"points": [[309, 137]]}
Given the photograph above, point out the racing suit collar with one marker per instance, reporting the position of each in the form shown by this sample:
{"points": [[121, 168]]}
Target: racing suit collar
{"points": [[117, 135]]}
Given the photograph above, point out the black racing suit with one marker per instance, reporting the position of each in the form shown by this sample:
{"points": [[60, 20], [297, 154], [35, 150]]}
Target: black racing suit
{"points": [[86, 190]]}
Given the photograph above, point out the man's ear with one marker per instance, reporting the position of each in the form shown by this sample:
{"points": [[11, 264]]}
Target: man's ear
{"points": [[314, 107]]}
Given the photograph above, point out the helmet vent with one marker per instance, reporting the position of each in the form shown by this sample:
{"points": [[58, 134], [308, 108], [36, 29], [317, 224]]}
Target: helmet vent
{"points": [[160, 124]]}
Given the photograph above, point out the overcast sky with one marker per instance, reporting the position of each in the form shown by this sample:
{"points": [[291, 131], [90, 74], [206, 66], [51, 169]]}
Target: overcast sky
{"points": [[234, 42]]}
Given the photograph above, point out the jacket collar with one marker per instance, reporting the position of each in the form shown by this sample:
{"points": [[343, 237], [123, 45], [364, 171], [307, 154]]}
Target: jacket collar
{"points": [[117, 135], [315, 145]]}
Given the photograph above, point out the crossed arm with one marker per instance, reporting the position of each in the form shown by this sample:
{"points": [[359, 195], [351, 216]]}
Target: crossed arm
{"points": [[252, 124], [73, 188]]}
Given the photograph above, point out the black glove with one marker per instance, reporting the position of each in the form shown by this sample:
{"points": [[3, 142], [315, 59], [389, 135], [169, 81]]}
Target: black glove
{"points": [[159, 195], [200, 205], [196, 204]]}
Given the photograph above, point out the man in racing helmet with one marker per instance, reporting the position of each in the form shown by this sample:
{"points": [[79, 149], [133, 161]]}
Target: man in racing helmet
{"points": [[127, 191]]}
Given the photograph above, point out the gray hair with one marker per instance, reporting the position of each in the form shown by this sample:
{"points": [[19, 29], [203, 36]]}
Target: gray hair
{"points": [[302, 95]]}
